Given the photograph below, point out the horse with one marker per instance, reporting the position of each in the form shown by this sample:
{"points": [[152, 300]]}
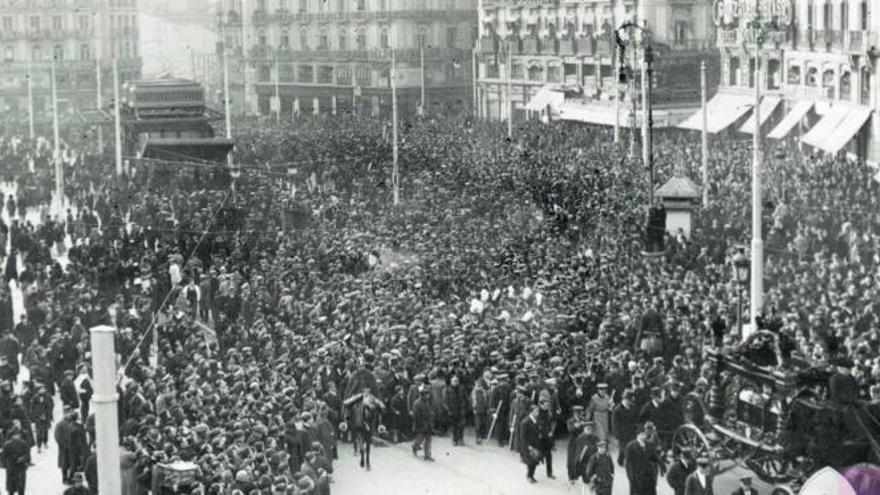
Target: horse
{"points": [[365, 414]]}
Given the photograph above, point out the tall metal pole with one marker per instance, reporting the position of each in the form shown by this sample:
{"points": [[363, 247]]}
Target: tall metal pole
{"points": [[395, 179], [99, 101], [705, 125], [509, 92], [423, 104], [648, 114], [277, 92], [474, 70], [59, 178], [117, 118], [105, 399], [30, 88], [646, 158], [245, 18], [757, 295], [632, 96], [226, 106], [617, 93]]}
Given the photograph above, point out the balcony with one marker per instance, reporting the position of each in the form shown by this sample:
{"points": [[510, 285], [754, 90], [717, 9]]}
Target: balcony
{"points": [[567, 46], [836, 39], [283, 16], [855, 42], [488, 44], [531, 46], [514, 45], [729, 37], [585, 45]]}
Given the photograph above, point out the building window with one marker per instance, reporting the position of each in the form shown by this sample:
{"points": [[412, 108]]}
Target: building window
{"points": [[340, 5], [303, 5], [285, 40], [36, 53], [794, 75], [846, 86], [35, 23], [282, 4], [535, 72], [127, 52], [844, 16], [451, 35], [83, 23], [58, 52], [518, 71], [422, 38], [9, 54], [7, 23], [826, 15], [56, 23], [305, 73], [733, 71], [261, 5], [421, 5], [361, 5], [554, 74], [303, 40], [361, 40], [812, 77], [383, 38], [85, 52], [865, 98], [383, 5], [261, 38], [681, 29], [343, 41], [863, 15], [811, 15], [323, 41], [265, 74], [773, 74]]}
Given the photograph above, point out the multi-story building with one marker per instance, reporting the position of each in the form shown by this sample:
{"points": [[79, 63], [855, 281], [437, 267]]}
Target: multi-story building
{"points": [[570, 45], [333, 56], [73, 33], [817, 73]]}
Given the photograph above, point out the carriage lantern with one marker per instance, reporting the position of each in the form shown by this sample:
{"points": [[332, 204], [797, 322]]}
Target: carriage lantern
{"points": [[741, 275]]}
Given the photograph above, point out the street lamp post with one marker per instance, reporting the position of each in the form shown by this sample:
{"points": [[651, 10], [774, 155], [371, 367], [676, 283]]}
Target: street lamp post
{"points": [[741, 276], [647, 104]]}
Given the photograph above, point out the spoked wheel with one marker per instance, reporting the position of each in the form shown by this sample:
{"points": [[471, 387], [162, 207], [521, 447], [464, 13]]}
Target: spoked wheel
{"points": [[783, 490], [690, 437], [769, 468]]}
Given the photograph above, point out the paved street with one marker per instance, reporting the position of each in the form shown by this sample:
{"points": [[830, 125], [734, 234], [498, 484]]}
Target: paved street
{"points": [[471, 470]]}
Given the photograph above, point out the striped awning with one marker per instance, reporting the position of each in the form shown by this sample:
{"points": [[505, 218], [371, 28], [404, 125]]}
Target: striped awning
{"points": [[768, 105], [847, 129], [818, 136], [722, 111], [791, 119]]}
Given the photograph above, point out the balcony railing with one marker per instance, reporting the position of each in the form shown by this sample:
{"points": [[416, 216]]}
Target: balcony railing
{"points": [[261, 17], [384, 15], [406, 55]]}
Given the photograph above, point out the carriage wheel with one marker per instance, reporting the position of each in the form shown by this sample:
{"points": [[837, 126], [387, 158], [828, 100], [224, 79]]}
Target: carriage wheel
{"points": [[689, 436], [783, 490], [768, 467]]}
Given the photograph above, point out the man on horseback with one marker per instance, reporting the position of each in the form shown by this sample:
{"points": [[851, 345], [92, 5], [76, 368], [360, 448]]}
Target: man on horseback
{"points": [[363, 412]]}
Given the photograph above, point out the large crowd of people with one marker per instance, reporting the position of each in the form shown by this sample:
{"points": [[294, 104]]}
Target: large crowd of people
{"points": [[292, 305]]}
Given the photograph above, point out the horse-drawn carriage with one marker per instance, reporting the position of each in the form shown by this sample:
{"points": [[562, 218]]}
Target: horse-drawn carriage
{"points": [[769, 413]]}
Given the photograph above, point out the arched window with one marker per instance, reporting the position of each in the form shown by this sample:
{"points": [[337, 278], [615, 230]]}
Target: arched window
{"points": [[58, 52], [361, 39], [261, 37], [284, 41], [37, 53], [554, 74], [383, 38], [846, 86], [85, 52], [323, 40], [518, 71], [794, 74], [422, 37], [828, 83], [303, 39], [863, 15], [865, 97], [535, 72], [844, 16]]}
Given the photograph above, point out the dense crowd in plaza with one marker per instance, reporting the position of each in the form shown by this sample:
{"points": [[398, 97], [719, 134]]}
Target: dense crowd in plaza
{"points": [[297, 307]]}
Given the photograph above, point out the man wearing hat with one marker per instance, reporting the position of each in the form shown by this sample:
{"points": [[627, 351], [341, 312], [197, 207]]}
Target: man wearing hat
{"points": [[641, 465], [745, 487], [530, 448], [16, 457], [700, 481], [600, 411], [423, 422], [626, 422], [599, 471], [575, 428], [480, 404], [41, 408], [842, 386], [682, 468], [69, 394]]}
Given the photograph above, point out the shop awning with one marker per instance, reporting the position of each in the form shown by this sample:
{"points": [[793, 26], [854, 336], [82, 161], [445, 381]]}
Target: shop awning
{"points": [[818, 136], [791, 119], [848, 128], [768, 105], [590, 114], [188, 149], [723, 110], [545, 96]]}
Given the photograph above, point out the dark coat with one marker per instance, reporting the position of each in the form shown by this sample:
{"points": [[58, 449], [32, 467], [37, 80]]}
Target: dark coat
{"points": [[423, 415], [600, 472], [677, 476], [626, 421], [693, 486], [641, 468], [456, 402], [529, 439]]}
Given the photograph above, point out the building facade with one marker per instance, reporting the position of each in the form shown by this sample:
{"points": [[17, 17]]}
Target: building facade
{"points": [[334, 56], [570, 44], [76, 34], [818, 62]]}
